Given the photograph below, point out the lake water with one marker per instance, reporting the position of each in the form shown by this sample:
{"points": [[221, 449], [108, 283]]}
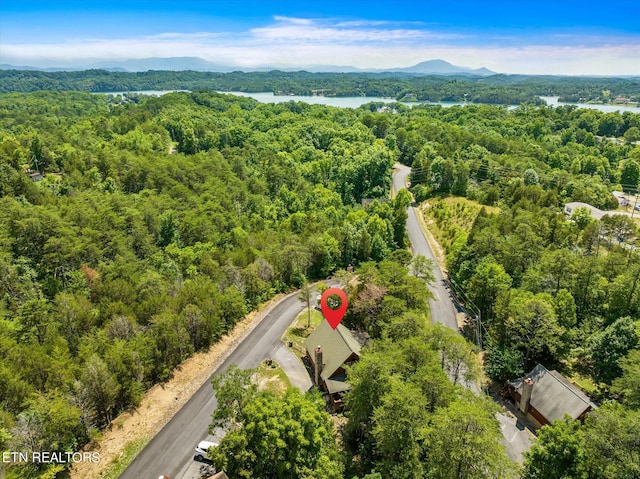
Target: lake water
{"points": [[269, 97], [553, 101], [357, 101], [341, 101]]}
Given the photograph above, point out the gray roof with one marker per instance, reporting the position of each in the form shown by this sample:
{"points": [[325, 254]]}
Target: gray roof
{"points": [[596, 213], [337, 346], [553, 395]]}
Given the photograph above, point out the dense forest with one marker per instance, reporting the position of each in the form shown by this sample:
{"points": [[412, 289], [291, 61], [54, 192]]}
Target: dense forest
{"points": [[155, 228], [133, 235], [564, 293], [408, 414], [495, 89]]}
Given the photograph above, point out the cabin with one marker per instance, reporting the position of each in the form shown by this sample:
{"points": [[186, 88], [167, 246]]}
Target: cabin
{"points": [[544, 396], [329, 351]]}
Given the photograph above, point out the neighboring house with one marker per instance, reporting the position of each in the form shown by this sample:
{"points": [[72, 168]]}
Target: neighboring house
{"points": [[545, 396], [596, 213], [622, 199], [36, 176], [329, 351]]}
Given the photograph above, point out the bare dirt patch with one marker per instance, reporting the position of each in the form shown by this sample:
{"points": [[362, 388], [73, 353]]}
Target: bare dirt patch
{"points": [[270, 377], [162, 401]]}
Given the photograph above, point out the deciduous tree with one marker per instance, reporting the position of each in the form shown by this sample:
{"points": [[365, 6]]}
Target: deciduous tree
{"points": [[557, 452], [280, 438], [606, 348], [462, 441]]}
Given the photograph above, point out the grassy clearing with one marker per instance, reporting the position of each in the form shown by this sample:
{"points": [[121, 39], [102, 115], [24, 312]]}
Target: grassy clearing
{"points": [[298, 332], [585, 383], [126, 457], [272, 378], [451, 219]]}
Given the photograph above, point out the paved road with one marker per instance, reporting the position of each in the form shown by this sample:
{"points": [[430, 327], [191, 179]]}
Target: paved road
{"points": [[516, 438], [171, 451], [442, 308]]}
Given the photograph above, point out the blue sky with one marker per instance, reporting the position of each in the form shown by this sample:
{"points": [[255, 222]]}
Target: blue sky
{"points": [[544, 37]]}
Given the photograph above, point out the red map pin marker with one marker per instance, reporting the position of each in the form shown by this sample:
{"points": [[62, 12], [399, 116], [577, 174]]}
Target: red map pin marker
{"points": [[333, 316]]}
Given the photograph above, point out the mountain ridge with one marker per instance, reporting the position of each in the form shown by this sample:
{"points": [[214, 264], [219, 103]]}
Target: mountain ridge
{"points": [[428, 67], [442, 67]]}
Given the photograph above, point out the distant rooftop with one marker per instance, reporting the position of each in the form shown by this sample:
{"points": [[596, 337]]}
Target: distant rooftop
{"points": [[553, 395], [596, 213]]}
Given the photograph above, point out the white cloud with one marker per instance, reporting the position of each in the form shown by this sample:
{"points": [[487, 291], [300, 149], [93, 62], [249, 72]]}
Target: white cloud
{"points": [[364, 44], [293, 20], [352, 31], [332, 35], [362, 23]]}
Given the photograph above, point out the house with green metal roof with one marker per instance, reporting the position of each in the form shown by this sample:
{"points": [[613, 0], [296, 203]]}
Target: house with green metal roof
{"points": [[329, 351]]}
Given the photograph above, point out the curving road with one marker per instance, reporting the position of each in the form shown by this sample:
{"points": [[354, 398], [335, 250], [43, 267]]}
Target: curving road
{"points": [[516, 438], [171, 450], [442, 308]]}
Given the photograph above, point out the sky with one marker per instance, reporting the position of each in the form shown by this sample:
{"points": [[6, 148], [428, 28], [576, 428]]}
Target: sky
{"points": [[525, 37]]}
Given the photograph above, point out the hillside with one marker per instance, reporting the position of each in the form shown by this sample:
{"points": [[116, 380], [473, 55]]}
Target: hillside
{"points": [[457, 86], [136, 233]]}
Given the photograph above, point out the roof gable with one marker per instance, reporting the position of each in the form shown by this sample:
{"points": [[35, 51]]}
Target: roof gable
{"points": [[553, 395], [337, 346]]}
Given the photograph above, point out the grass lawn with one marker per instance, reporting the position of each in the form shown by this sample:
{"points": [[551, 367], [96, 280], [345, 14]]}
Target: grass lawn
{"points": [[298, 331], [585, 383], [272, 378]]}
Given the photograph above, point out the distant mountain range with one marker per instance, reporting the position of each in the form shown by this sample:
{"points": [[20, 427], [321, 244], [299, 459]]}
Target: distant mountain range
{"points": [[441, 67], [430, 67]]}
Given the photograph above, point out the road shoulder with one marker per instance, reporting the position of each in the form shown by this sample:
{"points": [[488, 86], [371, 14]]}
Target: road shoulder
{"points": [[161, 402]]}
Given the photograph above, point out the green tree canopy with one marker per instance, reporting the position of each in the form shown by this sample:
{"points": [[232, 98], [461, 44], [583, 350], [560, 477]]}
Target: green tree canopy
{"points": [[606, 348], [557, 452], [287, 437]]}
